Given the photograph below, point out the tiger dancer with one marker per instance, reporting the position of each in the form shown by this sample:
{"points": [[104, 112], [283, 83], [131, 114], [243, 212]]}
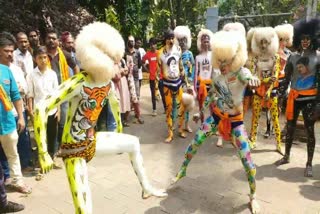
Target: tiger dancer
{"points": [[225, 98], [170, 64], [87, 93], [285, 35], [266, 65]]}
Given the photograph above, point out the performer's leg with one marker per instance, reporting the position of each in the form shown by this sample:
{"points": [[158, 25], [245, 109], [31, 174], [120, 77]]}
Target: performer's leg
{"points": [[256, 110], [157, 93], [207, 128], [186, 123], [78, 181], [181, 112], [161, 90], [291, 127], [113, 143], [275, 120], [309, 122], [201, 100], [242, 144], [169, 106]]}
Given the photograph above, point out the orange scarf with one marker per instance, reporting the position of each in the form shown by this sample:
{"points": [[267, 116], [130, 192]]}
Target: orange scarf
{"points": [[63, 66], [203, 92], [5, 99], [293, 94], [224, 125]]}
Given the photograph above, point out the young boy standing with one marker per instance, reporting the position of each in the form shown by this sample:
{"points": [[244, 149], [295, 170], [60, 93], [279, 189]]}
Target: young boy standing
{"points": [[42, 83]]}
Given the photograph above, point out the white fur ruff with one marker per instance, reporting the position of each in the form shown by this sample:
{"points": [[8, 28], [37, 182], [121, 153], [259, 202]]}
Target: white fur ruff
{"points": [[183, 31], [236, 26], [200, 34], [285, 31], [99, 46], [230, 47], [268, 34]]}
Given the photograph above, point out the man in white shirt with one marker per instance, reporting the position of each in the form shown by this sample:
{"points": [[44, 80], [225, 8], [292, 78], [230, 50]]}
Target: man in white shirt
{"points": [[24, 144], [21, 56]]}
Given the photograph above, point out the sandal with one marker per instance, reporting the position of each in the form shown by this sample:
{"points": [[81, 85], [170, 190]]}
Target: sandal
{"points": [[22, 188], [308, 171], [125, 124]]}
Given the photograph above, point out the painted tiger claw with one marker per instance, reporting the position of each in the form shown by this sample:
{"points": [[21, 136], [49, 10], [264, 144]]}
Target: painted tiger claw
{"points": [[46, 163]]}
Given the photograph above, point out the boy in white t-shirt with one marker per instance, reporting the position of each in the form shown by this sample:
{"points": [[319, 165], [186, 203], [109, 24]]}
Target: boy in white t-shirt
{"points": [[41, 83]]}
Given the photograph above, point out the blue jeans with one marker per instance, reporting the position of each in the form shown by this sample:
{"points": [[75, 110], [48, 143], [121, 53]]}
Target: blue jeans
{"points": [[106, 121], [24, 145], [111, 122], [3, 195]]}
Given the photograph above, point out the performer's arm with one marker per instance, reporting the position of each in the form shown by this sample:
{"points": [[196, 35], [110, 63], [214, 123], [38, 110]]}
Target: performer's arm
{"points": [[158, 70], [317, 101], [182, 73], [65, 91], [288, 70], [192, 65], [115, 108], [247, 78], [196, 71], [211, 97]]}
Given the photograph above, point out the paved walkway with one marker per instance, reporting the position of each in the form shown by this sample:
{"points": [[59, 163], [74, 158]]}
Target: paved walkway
{"points": [[215, 182]]}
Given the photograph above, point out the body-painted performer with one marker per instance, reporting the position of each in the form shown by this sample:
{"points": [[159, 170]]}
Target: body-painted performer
{"points": [[170, 63], [203, 71], [233, 26], [229, 55], [303, 72], [285, 35], [265, 45], [183, 37], [247, 99], [87, 93]]}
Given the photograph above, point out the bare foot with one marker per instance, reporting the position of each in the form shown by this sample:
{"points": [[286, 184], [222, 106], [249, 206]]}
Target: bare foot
{"points": [[160, 193], [168, 140], [188, 129], [255, 208], [182, 134], [219, 143]]}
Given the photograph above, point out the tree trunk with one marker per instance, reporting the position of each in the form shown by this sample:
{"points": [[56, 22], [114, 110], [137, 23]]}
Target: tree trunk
{"points": [[314, 9], [172, 24]]}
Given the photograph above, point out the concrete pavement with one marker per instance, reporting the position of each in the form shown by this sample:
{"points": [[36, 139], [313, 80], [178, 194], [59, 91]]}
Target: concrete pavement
{"points": [[215, 182]]}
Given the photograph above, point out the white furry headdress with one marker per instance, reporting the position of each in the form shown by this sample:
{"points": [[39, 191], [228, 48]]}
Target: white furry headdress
{"points": [[183, 31], [249, 38], [229, 47], [285, 31], [235, 26], [202, 33], [99, 46], [267, 34]]}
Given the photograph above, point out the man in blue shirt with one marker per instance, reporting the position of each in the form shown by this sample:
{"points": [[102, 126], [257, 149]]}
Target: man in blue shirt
{"points": [[9, 93]]}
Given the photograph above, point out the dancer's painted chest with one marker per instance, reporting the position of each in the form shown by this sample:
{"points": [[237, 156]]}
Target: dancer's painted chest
{"points": [[92, 100]]}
